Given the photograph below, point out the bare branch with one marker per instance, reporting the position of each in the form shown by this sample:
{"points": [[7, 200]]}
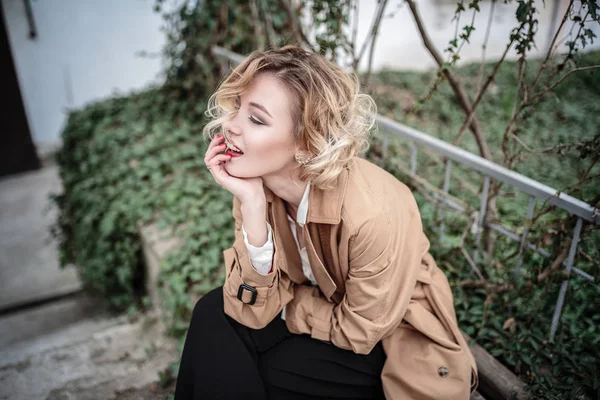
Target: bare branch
{"points": [[576, 185], [271, 36], [587, 257], [462, 43], [589, 169], [372, 31], [355, 27], [472, 264], [374, 39], [554, 85], [547, 207], [550, 149], [544, 64], [562, 23], [484, 46], [299, 35], [459, 91], [258, 32], [556, 263], [528, 102], [516, 111], [480, 94], [489, 287]]}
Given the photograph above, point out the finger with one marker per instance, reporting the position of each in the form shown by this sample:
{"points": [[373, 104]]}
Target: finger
{"points": [[216, 141], [215, 162], [212, 152], [216, 168]]}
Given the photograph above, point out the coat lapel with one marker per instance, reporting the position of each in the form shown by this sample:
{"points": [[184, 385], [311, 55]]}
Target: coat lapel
{"points": [[290, 261], [314, 250], [325, 206]]}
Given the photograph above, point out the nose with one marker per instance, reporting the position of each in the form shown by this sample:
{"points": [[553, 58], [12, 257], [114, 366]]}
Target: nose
{"points": [[231, 127]]}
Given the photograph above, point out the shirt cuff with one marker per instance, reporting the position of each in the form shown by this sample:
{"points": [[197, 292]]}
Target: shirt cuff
{"points": [[261, 257]]}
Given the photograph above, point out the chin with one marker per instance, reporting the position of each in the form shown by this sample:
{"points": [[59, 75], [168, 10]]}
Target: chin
{"points": [[238, 172]]}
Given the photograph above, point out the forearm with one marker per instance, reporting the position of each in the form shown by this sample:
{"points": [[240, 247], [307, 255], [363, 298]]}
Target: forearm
{"points": [[253, 217], [273, 290], [360, 319]]}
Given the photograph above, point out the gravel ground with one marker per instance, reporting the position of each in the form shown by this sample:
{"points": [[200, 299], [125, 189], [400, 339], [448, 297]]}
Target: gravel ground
{"points": [[152, 391]]}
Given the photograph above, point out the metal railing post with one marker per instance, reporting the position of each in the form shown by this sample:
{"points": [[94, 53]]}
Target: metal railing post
{"points": [[446, 189], [530, 210], [563, 287], [482, 211], [384, 150], [413, 159]]}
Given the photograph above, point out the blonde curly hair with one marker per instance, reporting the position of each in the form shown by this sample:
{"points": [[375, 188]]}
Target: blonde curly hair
{"points": [[332, 119]]}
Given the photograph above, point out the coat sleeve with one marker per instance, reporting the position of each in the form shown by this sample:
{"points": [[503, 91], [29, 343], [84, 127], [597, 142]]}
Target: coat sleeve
{"points": [[385, 258], [273, 290]]}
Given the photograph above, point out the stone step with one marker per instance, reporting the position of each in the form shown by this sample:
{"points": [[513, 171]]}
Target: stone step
{"points": [[29, 267], [27, 324], [96, 358]]}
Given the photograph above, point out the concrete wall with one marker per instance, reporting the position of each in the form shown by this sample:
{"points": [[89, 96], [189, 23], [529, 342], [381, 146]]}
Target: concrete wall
{"points": [[400, 45], [85, 50]]}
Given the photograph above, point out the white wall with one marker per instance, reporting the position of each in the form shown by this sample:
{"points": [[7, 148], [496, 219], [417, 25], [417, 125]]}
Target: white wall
{"points": [[85, 50], [400, 46]]}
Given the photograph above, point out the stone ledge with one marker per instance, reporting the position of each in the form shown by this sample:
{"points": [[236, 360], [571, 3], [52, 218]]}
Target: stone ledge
{"points": [[156, 243]]}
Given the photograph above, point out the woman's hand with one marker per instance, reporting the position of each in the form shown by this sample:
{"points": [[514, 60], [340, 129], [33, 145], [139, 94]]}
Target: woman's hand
{"points": [[247, 190]]}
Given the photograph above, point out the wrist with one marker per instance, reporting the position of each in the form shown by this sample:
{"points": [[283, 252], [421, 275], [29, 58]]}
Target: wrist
{"points": [[255, 225], [254, 203]]}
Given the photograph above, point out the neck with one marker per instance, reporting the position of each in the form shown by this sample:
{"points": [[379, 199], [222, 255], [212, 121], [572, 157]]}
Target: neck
{"points": [[287, 187]]}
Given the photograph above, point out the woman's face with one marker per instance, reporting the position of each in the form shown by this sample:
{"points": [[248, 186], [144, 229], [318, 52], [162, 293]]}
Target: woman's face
{"points": [[263, 130]]}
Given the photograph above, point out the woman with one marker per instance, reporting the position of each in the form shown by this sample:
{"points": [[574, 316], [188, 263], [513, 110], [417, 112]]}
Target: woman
{"points": [[330, 291]]}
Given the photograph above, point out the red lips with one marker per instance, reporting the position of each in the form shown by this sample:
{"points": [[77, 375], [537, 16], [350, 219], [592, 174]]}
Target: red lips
{"points": [[232, 153]]}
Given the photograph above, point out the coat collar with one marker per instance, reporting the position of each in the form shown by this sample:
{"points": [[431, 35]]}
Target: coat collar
{"points": [[324, 206]]}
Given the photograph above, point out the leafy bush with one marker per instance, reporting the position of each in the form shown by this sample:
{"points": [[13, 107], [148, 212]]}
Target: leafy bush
{"points": [[127, 161]]}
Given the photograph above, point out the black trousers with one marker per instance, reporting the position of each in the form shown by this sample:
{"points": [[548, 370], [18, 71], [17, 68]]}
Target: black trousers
{"points": [[223, 359]]}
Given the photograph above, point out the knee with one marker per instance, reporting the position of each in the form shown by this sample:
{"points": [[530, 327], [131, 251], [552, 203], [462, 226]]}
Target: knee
{"points": [[209, 304]]}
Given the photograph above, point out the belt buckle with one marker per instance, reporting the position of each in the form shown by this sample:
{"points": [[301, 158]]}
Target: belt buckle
{"points": [[249, 288]]}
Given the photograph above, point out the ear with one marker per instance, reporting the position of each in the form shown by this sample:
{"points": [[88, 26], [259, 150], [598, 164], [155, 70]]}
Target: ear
{"points": [[299, 147], [300, 150]]}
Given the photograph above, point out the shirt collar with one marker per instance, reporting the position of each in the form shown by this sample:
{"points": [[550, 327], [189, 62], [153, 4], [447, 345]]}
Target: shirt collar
{"points": [[302, 212], [303, 207]]}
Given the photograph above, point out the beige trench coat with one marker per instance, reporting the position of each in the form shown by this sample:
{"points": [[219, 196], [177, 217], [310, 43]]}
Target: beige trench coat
{"points": [[376, 282]]}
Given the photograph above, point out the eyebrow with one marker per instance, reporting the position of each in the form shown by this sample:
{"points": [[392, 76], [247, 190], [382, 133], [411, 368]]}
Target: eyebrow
{"points": [[260, 107]]}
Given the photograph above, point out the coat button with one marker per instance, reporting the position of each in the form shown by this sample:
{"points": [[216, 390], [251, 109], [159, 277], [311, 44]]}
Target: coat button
{"points": [[443, 371]]}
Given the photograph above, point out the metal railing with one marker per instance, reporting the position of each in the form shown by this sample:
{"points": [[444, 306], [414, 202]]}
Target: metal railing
{"points": [[489, 170]]}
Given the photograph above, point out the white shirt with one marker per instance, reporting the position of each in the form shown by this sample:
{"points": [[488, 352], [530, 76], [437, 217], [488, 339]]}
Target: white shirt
{"points": [[262, 257]]}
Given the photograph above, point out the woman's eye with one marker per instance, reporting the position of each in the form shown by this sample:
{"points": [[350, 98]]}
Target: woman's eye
{"points": [[255, 120]]}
